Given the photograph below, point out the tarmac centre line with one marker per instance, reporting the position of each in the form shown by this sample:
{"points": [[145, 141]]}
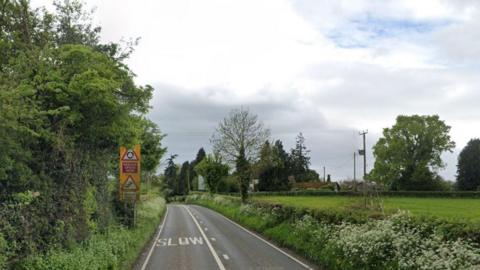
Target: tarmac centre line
{"points": [[212, 250]]}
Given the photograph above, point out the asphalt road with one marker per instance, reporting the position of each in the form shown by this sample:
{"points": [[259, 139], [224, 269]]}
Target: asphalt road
{"points": [[194, 237]]}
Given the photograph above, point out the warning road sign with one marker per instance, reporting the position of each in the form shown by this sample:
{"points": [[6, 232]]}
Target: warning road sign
{"points": [[129, 184], [130, 172], [130, 155]]}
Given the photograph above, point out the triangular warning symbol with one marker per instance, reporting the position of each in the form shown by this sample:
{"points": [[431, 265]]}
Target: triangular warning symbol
{"points": [[129, 184], [130, 156]]}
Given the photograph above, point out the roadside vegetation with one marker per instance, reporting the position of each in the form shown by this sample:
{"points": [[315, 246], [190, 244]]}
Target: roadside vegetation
{"points": [[338, 239], [67, 102], [466, 209], [117, 248]]}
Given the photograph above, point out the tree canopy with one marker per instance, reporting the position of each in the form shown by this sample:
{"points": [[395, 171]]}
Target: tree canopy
{"points": [[238, 139], [468, 168], [408, 155]]}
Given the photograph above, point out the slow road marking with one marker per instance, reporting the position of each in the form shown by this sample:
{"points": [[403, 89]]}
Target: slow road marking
{"points": [[180, 241]]}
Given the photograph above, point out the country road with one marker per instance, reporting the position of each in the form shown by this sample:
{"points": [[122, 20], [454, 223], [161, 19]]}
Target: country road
{"points": [[194, 237]]}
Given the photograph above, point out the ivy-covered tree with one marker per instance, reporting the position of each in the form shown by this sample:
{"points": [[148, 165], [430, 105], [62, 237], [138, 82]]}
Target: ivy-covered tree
{"points": [[66, 103], [213, 170], [468, 168], [408, 155], [192, 174]]}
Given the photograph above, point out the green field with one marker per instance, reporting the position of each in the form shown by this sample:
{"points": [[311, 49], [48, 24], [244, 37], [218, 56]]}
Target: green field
{"points": [[448, 208]]}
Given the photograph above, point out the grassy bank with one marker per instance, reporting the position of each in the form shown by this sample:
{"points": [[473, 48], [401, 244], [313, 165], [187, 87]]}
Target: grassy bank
{"points": [[466, 209], [334, 240], [118, 248]]}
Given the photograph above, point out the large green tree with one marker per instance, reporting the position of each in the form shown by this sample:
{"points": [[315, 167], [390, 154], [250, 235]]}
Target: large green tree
{"points": [[238, 139], [408, 155], [468, 168]]}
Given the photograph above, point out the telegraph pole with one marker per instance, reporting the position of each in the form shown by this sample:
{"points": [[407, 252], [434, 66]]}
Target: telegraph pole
{"points": [[364, 153], [354, 166]]}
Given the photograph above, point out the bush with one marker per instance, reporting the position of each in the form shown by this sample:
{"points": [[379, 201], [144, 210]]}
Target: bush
{"points": [[116, 249]]}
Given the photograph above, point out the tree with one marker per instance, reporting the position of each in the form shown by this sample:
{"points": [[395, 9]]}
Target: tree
{"points": [[213, 170], [171, 174], [238, 139], [299, 161], [200, 156], [468, 168], [272, 168], [183, 179], [408, 155], [152, 150]]}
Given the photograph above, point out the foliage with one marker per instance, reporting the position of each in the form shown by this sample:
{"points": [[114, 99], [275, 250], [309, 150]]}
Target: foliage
{"points": [[66, 103], [408, 155], [272, 168], [183, 179], [170, 174], [213, 170], [397, 242], [200, 156], [116, 250], [299, 161], [468, 177]]}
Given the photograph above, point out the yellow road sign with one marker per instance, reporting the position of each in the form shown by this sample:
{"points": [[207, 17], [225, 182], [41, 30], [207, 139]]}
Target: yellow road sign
{"points": [[130, 171]]}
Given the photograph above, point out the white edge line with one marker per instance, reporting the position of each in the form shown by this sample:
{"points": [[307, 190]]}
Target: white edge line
{"points": [[268, 243], [155, 241], [215, 255]]}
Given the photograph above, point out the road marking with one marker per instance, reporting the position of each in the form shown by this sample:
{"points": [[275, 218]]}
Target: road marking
{"points": [[225, 256], [182, 241], [215, 255], [266, 242], [160, 229], [213, 239], [206, 229]]}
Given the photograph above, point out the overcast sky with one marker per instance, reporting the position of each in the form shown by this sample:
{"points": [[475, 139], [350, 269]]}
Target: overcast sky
{"points": [[325, 68]]}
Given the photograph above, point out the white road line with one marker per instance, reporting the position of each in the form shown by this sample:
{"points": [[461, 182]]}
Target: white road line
{"points": [[215, 255], [268, 243], [160, 229], [225, 256], [213, 239]]}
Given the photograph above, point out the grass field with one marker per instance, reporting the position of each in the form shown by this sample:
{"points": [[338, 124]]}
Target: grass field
{"points": [[448, 208]]}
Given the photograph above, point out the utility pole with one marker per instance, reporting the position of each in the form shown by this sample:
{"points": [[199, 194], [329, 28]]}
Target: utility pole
{"points": [[354, 166], [364, 153]]}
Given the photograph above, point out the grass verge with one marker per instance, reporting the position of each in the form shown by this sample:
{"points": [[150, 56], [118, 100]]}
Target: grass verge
{"points": [[118, 248]]}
